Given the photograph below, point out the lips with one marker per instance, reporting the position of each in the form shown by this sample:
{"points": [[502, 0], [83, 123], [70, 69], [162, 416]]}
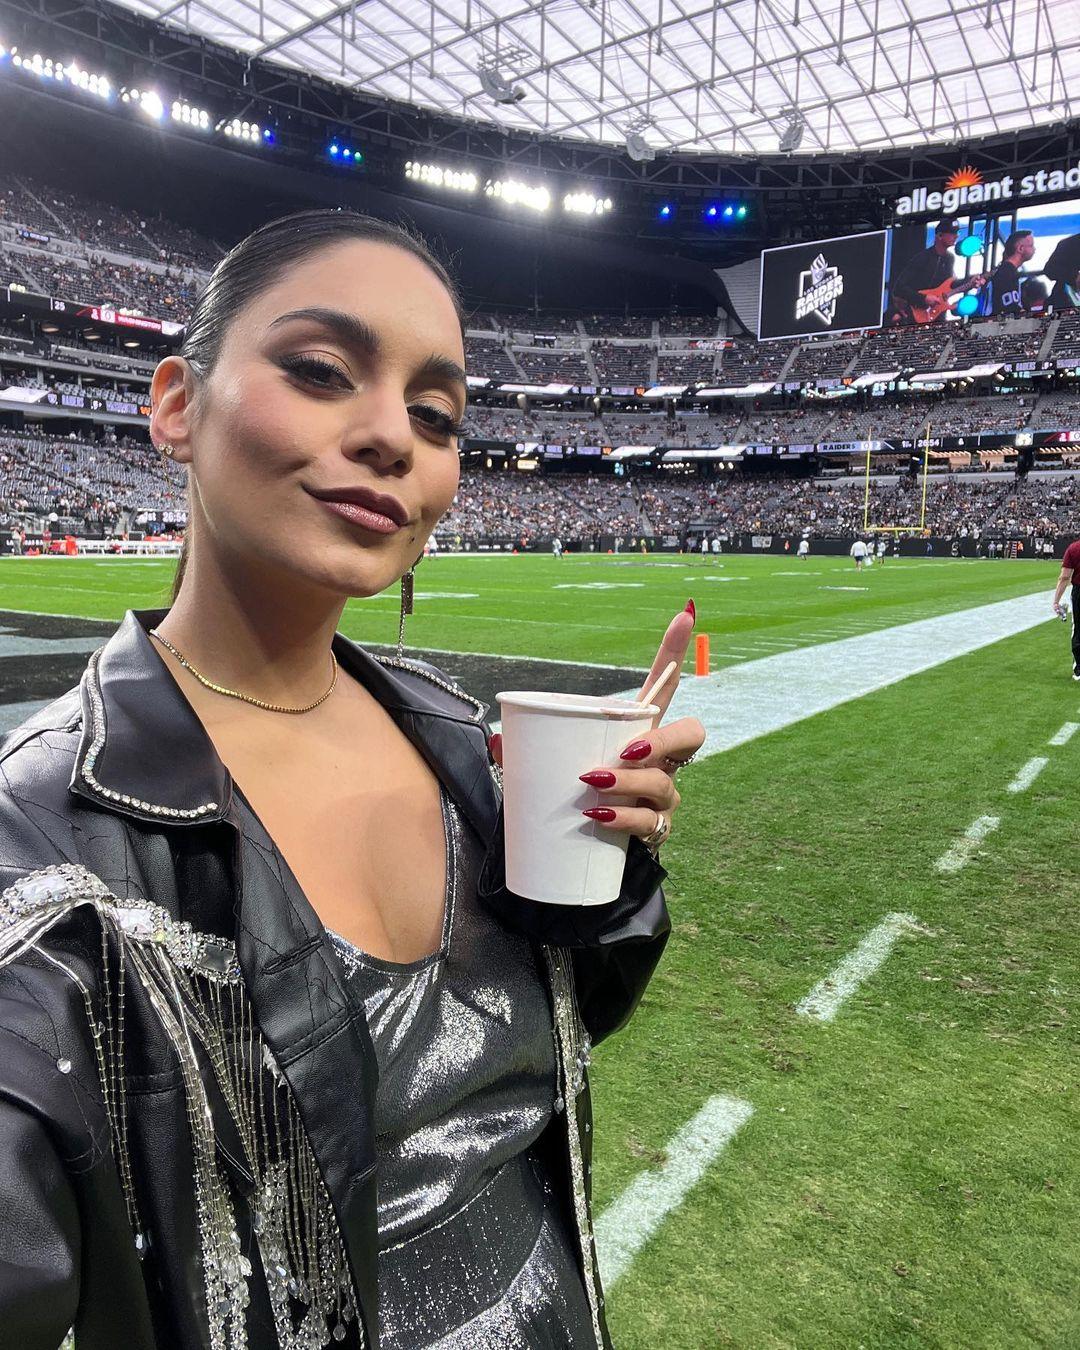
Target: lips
{"points": [[380, 502]]}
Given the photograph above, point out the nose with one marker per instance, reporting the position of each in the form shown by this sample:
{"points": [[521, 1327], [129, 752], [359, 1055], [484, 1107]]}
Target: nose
{"points": [[382, 429]]}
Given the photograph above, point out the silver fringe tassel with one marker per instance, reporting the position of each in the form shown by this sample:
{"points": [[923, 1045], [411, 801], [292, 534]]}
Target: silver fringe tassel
{"points": [[573, 1056], [196, 988]]}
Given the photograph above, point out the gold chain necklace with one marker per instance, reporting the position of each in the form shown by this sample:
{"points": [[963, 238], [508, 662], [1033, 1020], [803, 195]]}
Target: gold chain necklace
{"points": [[232, 693]]}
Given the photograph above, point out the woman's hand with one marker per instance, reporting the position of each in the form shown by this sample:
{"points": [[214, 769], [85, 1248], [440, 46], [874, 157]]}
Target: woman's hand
{"points": [[644, 783]]}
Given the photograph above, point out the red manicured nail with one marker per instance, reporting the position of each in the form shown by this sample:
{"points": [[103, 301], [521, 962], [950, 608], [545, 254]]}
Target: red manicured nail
{"points": [[691, 610], [598, 778], [636, 750], [495, 742], [600, 813]]}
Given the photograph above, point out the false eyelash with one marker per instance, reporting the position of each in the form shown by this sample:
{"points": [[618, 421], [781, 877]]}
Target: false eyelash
{"points": [[440, 421], [304, 366]]}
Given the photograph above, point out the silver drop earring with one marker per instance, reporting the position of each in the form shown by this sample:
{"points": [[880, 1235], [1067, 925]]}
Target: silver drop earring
{"points": [[406, 604]]}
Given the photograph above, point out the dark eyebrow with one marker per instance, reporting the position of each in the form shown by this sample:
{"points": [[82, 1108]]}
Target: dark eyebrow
{"points": [[443, 368], [354, 332]]}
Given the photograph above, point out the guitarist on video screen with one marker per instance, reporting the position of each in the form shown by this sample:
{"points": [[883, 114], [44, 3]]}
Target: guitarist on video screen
{"points": [[920, 294]]}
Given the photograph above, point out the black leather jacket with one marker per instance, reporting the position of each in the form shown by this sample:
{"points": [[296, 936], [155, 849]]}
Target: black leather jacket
{"points": [[118, 779]]}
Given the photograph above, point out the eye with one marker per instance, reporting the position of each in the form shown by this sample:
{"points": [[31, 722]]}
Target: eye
{"points": [[436, 418], [314, 370]]}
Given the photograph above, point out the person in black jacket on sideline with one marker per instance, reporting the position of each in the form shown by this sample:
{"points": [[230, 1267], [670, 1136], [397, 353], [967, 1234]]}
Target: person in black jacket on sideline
{"points": [[283, 1062]]}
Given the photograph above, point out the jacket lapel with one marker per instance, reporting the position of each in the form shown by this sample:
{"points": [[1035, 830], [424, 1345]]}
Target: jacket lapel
{"points": [[144, 753]]}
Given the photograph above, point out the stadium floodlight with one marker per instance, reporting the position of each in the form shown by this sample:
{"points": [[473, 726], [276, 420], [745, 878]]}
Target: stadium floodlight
{"points": [[188, 116], [793, 129], [455, 179], [514, 193], [149, 100], [239, 129], [45, 68], [585, 204], [345, 154]]}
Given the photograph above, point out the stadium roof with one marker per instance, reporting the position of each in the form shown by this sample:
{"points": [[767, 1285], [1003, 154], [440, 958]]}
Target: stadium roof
{"points": [[688, 75]]}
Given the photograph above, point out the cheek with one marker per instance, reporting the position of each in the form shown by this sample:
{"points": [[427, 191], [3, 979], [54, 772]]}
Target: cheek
{"points": [[441, 485], [257, 419]]}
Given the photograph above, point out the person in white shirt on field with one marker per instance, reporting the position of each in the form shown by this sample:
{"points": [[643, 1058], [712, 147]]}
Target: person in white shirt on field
{"points": [[803, 551], [704, 545], [715, 544], [556, 547], [881, 551], [858, 552], [432, 548]]}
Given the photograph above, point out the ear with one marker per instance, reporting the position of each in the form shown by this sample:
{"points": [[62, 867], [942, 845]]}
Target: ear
{"points": [[172, 391]]}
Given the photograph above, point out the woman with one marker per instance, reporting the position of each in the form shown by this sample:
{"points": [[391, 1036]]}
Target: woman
{"points": [[282, 1061]]}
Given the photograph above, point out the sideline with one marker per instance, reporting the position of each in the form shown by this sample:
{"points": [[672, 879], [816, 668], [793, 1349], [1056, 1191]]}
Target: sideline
{"points": [[742, 702]]}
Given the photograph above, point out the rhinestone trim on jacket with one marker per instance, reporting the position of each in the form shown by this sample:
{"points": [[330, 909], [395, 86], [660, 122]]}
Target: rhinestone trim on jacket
{"points": [[87, 768], [402, 663]]}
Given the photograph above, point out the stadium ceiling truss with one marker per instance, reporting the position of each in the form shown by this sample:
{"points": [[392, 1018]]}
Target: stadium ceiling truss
{"points": [[689, 77]]}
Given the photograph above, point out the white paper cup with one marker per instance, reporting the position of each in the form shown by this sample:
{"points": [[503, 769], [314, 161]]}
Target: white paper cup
{"points": [[553, 853]]}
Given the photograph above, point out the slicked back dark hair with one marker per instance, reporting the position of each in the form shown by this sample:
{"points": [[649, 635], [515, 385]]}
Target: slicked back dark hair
{"points": [[259, 260]]}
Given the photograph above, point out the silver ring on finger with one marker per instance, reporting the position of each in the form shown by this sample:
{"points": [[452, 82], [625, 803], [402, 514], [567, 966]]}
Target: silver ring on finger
{"points": [[660, 832], [673, 765]]}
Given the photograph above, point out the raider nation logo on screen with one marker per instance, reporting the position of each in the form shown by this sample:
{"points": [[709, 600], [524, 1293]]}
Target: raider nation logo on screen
{"points": [[819, 288]]}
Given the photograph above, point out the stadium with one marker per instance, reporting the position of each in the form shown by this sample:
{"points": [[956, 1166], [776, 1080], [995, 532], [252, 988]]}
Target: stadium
{"points": [[744, 288]]}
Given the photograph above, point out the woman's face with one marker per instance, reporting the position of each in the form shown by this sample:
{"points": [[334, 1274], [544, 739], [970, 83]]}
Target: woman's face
{"points": [[365, 394]]}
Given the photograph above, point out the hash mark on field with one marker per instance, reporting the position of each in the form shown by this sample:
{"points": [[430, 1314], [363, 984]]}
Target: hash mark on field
{"points": [[1029, 773], [1065, 735], [824, 1000], [634, 1216], [960, 853]]}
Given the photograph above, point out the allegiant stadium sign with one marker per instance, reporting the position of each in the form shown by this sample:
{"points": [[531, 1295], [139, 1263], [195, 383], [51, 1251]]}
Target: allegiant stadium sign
{"points": [[967, 187]]}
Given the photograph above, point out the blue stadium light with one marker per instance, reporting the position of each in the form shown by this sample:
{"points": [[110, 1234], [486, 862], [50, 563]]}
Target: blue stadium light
{"points": [[711, 212], [665, 211], [967, 305], [345, 152], [268, 135], [969, 247], [729, 211], [741, 212]]}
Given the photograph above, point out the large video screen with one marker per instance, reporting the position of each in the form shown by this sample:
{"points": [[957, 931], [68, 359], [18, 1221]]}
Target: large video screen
{"points": [[989, 263], [828, 286]]}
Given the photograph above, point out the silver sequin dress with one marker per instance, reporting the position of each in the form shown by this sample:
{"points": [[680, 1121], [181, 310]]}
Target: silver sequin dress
{"points": [[473, 1252]]}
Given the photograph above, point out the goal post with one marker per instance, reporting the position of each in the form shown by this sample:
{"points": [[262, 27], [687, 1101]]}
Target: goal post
{"points": [[868, 528]]}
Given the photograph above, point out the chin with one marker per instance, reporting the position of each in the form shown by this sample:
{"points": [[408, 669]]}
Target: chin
{"points": [[359, 572]]}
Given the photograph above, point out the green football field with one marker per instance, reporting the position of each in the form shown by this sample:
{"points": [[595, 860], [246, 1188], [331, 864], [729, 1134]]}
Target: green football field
{"points": [[906, 1173]]}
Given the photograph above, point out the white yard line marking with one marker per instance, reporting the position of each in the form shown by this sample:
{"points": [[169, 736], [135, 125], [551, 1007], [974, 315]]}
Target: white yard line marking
{"points": [[824, 1000], [959, 854], [1028, 773], [1065, 735], [635, 1215]]}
